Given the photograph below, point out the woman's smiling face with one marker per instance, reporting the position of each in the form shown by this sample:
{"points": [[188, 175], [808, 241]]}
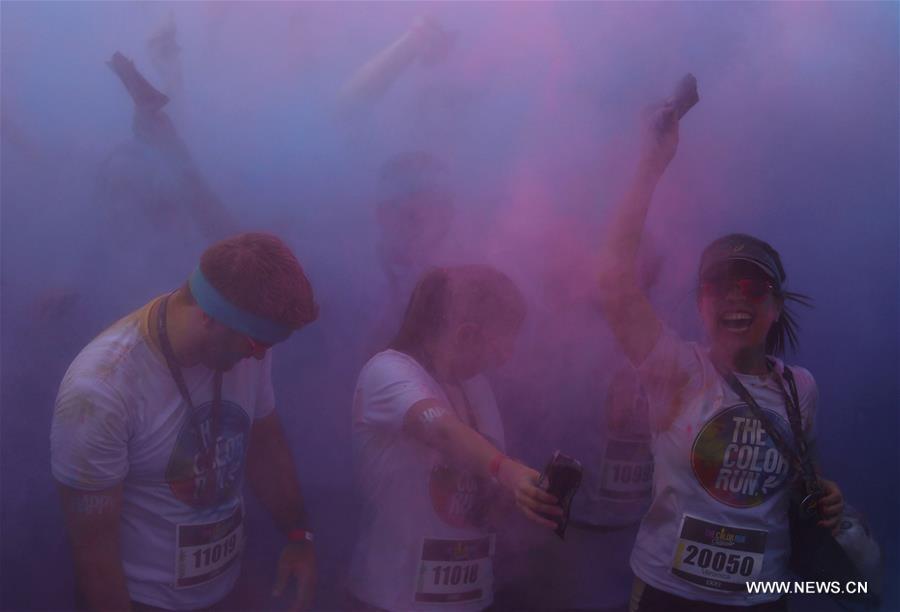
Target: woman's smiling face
{"points": [[738, 305]]}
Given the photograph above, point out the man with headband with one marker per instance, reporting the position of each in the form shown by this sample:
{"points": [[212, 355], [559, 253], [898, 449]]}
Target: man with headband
{"points": [[157, 422]]}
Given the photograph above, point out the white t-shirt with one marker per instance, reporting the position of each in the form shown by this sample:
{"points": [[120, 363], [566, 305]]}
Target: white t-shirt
{"points": [[719, 515], [421, 545], [120, 418]]}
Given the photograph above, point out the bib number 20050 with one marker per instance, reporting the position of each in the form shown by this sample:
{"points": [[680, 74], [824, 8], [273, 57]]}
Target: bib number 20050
{"points": [[720, 557]]}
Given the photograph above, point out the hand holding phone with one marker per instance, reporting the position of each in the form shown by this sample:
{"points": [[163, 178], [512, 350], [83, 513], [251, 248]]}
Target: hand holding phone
{"points": [[561, 478]]}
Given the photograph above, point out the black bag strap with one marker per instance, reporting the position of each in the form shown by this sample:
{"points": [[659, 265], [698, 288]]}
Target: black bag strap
{"points": [[793, 409], [800, 457]]}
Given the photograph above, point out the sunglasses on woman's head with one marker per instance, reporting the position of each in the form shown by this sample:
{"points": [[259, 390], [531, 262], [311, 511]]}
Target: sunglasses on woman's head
{"points": [[753, 290]]}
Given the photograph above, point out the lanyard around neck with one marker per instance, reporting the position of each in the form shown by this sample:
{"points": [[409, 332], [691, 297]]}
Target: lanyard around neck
{"points": [[800, 457], [207, 443]]}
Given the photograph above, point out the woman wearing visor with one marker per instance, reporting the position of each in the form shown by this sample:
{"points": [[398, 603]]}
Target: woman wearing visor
{"points": [[721, 487]]}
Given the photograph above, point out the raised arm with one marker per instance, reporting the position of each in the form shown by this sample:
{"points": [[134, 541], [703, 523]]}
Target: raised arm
{"points": [[622, 297], [434, 426], [154, 127], [425, 41], [92, 519], [145, 96]]}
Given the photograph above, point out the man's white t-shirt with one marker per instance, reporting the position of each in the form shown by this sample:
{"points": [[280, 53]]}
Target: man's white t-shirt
{"points": [[422, 542], [719, 515], [120, 418]]}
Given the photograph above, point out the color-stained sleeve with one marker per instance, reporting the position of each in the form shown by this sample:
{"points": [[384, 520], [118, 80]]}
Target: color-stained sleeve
{"points": [[388, 386], [89, 436]]}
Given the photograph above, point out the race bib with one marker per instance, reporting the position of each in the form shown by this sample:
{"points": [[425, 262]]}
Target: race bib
{"points": [[455, 571], [627, 472], [205, 550], [719, 557]]}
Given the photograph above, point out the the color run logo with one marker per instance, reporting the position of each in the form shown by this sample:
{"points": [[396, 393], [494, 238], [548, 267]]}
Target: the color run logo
{"points": [[735, 459], [457, 496], [723, 537], [190, 474]]}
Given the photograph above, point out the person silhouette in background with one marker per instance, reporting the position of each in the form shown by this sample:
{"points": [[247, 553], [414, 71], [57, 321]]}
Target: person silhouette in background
{"points": [[414, 212], [414, 201], [154, 175]]}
